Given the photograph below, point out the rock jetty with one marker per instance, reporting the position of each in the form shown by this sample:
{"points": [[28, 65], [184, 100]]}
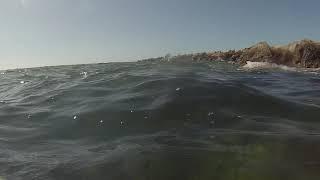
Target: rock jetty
{"points": [[304, 53]]}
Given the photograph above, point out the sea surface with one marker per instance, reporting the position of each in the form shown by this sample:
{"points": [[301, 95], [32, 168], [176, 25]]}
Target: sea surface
{"points": [[160, 120]]}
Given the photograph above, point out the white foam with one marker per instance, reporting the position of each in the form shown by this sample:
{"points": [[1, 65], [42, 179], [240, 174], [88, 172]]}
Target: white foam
{"points": [[267, 65], [84, 74]]}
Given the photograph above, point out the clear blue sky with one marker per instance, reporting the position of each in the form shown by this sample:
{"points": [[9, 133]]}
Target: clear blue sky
{"points": [[52, 32]]}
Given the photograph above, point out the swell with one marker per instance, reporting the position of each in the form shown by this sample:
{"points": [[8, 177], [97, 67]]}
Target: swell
{"points": [[75, 121], [154, 105], [170, 94]]}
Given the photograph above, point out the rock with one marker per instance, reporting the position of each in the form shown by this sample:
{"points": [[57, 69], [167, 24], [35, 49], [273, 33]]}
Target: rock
{"points": [[260, 52], [304, 53]]}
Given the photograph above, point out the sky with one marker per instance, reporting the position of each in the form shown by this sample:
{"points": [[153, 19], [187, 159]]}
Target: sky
{"points": [[56, 32]]}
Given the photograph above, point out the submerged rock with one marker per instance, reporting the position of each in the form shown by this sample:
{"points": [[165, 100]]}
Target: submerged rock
{"points": [[304, 53]]}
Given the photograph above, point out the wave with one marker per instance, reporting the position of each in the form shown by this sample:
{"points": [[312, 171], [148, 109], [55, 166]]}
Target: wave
{"points": [[266, 65], [154, 120]]}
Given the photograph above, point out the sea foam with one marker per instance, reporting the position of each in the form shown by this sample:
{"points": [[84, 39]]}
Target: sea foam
{"points": [[267, 65]]}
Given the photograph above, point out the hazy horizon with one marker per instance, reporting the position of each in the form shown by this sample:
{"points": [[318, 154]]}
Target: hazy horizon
{"points": [[45, 32]]}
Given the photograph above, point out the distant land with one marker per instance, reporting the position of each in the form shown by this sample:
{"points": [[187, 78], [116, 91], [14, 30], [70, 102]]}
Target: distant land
{"points": [[304, 53]]}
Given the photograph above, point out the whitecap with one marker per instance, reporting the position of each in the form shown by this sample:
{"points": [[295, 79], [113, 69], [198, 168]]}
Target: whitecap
{"points": [[267, 65], [84, 74]]}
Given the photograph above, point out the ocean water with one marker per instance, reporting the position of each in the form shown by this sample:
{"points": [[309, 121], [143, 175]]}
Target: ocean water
{"points": [[156, 120]]}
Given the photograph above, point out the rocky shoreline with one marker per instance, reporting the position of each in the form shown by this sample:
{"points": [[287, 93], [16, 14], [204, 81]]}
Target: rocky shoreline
{"points": [[304, 53]]}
